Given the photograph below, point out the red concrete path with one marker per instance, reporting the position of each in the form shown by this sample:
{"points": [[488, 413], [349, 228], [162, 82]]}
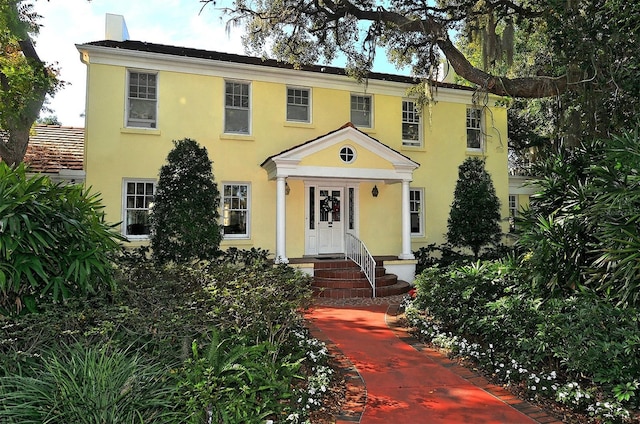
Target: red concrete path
{"points": [[404, 385]]}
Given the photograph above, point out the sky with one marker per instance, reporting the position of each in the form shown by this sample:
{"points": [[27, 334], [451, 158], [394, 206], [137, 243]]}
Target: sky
{"points": [[66, 23]]}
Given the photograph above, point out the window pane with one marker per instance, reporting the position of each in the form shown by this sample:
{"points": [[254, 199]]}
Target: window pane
{"points": [[312, 208], [297, 113], [236, 121], [473, 139]]}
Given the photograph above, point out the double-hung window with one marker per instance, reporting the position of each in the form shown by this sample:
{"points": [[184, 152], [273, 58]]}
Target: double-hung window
{"points": [[416, 208], [235, 210], [361, 111], [142, 99], [474, 128], [138, 199], [298, 104], [411, 128], [237, 108]]}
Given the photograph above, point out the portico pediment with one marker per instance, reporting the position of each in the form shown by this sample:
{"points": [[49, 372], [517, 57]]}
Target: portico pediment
{"points": [[346, 153]]}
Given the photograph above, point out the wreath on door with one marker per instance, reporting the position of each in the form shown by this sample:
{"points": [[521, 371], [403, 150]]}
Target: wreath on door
{"points": [[330, 204]]}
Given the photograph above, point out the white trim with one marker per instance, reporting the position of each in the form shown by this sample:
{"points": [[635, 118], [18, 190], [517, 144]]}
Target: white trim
{"points": [[181, 64]]}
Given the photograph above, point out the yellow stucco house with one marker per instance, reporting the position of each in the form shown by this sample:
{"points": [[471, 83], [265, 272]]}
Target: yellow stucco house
{"points": [[308, 161]]}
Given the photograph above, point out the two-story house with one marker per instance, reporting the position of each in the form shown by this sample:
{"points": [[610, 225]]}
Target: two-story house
{"points": [[306, 160]]}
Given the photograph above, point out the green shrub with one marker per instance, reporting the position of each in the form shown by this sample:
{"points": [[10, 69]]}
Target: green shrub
{"points": [[184, 219], [488, 312], [474, 219], [54, 242], [91, 385], [582, 231], [235, 381]]}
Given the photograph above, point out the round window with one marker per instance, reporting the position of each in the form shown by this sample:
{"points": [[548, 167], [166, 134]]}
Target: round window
{"points": [[347, 154]]}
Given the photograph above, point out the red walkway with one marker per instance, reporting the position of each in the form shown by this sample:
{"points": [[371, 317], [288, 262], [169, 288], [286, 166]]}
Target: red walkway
{"points": [[404, 385]]}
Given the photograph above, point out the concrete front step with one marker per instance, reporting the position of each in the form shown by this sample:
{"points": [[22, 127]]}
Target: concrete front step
{"points": [[400, 287]]}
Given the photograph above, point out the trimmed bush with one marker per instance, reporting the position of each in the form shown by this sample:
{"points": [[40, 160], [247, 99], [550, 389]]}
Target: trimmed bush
{"points": [[474, 219], [184, 218]]}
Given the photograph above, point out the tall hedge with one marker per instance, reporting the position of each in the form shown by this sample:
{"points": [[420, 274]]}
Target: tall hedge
{"points": [[184, 218]]}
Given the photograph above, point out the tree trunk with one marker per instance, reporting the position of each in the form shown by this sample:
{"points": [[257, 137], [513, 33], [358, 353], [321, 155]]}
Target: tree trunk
{"points": [[14, 148]]}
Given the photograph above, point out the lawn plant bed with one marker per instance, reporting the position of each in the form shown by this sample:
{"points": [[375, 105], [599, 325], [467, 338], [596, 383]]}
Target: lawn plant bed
{"points": [[222, 341]]}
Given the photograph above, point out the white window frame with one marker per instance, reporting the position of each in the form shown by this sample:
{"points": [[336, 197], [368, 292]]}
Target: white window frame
{"points": [[409, 118], [141, 122], [416, 208], [475, 124], [308, 105], [225, 213], [513, 212], [237, 107], [146, 207], [361, 110]]}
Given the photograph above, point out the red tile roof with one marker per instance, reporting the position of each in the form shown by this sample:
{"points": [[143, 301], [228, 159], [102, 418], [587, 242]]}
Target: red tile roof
{"points": [[54, 147]]}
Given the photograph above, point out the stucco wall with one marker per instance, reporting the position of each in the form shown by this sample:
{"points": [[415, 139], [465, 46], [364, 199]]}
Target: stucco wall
{"points": [[192, 105]]}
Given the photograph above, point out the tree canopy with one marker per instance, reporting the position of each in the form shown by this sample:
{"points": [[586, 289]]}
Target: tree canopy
{"points": [[24, 79]]}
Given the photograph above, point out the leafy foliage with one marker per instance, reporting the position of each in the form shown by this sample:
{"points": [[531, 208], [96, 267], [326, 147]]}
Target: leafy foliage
{"points": [[24, 79], [582, 232], [206, 327], [474, 219], [185, 216], [54, 242], [89, 385], [489, 314]]}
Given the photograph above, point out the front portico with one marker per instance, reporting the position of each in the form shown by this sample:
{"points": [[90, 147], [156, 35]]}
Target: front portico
{"points": [[335, 170]]}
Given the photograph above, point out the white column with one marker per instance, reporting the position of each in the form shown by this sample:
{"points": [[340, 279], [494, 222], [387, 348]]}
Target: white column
{"points": [[406, 223], [281, 222]]}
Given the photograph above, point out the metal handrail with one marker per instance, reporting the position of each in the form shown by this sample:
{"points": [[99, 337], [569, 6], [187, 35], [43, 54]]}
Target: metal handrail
{"points": [[358, 253]]}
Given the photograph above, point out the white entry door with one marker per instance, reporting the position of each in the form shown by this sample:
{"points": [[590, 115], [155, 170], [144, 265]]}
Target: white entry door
{"points": [[330, 223]]}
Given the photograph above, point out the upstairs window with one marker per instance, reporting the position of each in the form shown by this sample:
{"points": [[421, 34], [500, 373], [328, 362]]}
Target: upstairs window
{"points": [[237, 110], [138, 199], [361, 111], [298, 104], [411, 128], [142, 100], [474, 128]]}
